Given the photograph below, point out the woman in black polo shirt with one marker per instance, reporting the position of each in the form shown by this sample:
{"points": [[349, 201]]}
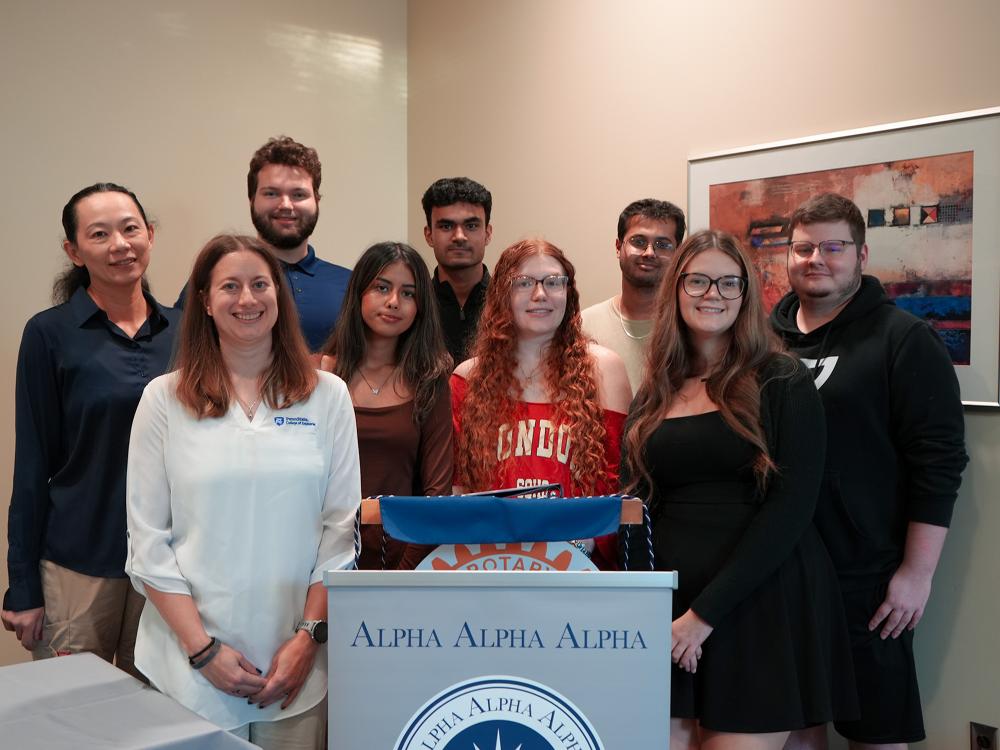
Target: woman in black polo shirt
{"points": [[81, 369]]}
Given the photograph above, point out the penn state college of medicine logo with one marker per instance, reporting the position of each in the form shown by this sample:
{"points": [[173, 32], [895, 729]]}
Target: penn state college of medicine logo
{"points": [[498, 713], [512, 556]]}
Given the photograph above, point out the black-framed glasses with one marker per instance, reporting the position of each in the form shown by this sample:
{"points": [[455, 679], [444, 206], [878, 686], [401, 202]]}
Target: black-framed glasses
{"points": [[827, 248], [698, 284], [661, 245], [553, 284]]}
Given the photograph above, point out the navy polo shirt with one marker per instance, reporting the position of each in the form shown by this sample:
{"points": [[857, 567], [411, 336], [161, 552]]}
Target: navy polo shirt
{"points": [[79, 379], [318, 287]]}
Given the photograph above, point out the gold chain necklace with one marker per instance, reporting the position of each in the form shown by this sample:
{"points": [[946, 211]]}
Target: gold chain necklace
{"points": [[529, 376], [621, 319]]}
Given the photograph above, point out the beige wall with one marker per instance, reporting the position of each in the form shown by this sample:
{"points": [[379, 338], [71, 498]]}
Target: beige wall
{"points": [[171, 99], [566, 109], [569, 109]]}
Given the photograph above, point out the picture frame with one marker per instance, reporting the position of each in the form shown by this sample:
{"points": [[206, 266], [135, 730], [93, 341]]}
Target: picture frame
{"points": [[942, 170]]}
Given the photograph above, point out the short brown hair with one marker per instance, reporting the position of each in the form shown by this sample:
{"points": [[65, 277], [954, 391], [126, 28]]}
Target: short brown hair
{"points": [[203, 385], [284, 150], [830, 207]]}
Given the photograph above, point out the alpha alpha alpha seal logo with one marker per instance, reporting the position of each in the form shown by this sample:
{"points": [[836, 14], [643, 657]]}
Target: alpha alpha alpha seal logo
{"points": [[498, 713]]}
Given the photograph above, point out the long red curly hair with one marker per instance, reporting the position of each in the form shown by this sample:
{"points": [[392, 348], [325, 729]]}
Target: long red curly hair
{"points": [[494, 392]]}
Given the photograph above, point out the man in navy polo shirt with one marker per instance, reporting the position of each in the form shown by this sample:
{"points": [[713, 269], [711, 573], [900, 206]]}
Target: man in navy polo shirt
{"points": [[283, 188]]}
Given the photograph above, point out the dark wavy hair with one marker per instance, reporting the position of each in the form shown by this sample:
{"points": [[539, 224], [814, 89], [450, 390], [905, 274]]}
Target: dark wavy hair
{"points": [[291, 153], [733, 385], [421, 355], [203, 385], [449, 190], [656, 210], [74, 277], [494, 391]]}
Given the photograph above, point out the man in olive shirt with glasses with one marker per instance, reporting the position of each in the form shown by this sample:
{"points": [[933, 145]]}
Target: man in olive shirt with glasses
{"points": [[649, 231]]}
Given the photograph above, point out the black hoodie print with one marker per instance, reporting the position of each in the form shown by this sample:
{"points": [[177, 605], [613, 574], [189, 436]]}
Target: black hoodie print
{"points": [[895, 428]]}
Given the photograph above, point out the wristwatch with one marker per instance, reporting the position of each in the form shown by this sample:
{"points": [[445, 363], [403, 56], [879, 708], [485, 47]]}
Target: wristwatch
{"points": [[315, 628]]}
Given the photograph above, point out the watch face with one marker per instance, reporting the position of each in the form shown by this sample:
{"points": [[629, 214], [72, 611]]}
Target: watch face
{"points": [[319, 632]]}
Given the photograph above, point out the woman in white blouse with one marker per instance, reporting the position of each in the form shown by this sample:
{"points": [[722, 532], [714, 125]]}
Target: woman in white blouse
{"points": [[242, 486]]}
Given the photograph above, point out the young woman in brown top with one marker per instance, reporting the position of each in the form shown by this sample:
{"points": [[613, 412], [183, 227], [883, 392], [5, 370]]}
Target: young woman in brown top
{"points": [[389, 349]]}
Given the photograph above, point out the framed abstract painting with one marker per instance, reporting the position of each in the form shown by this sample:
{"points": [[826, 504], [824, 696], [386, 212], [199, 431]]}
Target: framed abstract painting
{"points": [[929, 190]]}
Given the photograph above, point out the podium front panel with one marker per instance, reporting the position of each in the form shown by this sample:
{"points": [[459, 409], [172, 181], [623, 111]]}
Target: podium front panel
{"points": [[447, 660]]}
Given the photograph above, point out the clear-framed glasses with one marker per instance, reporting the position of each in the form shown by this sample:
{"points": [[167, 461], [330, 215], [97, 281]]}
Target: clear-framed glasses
{"points": [[827, 248], [698, 284], [552, 284], [639, 242]]}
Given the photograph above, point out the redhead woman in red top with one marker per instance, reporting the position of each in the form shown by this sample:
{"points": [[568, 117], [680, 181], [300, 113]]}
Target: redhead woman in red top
{"points": [[538, 402]]}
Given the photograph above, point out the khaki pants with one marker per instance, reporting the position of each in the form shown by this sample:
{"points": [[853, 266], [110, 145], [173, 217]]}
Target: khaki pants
{"points": [[304, 731], [84, 613]]}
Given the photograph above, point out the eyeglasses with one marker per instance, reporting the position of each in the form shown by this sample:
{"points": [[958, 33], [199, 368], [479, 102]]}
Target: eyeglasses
{"points": [[698, 284], [553, 284], [661, 245], [827, 248]]}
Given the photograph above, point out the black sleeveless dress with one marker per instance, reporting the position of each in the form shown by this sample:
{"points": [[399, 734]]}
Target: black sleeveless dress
{"points": [[754, 567]]}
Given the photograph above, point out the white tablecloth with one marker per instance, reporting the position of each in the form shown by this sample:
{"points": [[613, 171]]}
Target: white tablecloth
{"points": [[81, 701]]}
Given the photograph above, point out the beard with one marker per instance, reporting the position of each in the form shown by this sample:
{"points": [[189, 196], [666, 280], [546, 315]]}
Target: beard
{"points": [[840, 292], [641, 279], [288, 239]]}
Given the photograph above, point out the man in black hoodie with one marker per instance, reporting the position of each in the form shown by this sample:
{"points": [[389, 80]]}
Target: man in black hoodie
{"points": [[895, 455]]}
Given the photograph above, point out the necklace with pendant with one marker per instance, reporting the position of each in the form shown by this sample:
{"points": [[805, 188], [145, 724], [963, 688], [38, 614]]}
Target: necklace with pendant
{"points": [[249, 408], [377, 390], [529, 376], [621, 319]]}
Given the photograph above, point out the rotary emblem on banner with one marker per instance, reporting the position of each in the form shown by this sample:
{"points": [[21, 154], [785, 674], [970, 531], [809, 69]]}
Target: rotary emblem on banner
{"points": [[498, 713], [513, 556]]}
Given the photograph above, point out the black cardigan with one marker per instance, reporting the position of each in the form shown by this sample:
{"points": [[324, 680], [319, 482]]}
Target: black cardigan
{"points": [[793, 421]]}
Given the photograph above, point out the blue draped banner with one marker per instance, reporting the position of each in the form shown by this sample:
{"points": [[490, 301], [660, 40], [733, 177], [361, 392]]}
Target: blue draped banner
{"points": [[491, 520]]}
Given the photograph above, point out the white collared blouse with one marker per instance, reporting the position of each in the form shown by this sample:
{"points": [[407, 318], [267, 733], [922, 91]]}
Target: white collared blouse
{"points": [[243, 515]]}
